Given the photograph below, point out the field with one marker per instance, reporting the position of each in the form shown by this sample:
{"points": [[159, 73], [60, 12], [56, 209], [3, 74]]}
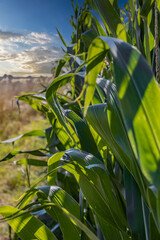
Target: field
{"points": [[13, 178]]}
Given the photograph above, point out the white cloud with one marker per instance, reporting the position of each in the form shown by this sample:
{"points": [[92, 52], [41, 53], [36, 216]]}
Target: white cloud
{"points": [[8, 35], [30, 38], [39, 59], [34, 38], [32, 53]]}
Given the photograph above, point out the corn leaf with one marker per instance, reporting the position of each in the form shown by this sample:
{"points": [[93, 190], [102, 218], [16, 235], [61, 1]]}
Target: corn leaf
{"points": [[25, 225], [96, 187], [112, 19], [61, 38], [63, 199], [38, 133], [32, 162], [107, 121], [134, 206], [138, 93], [147, 5], [37, 152], [86, 139]]}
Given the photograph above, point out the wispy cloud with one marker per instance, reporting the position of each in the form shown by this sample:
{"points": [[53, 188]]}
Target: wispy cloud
{"points": [[34, 38], [31, 53], [8, 35]]}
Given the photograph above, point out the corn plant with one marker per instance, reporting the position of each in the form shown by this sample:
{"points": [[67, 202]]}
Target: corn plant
{"points": [[103, 145]]}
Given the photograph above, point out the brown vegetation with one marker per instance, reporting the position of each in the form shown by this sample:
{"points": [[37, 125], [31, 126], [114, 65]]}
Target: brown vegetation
{"points": [[12, 123]]}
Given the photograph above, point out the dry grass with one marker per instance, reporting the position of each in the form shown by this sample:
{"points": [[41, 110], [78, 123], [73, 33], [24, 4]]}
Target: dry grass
{"points": [[13, 179], [10, 119]]}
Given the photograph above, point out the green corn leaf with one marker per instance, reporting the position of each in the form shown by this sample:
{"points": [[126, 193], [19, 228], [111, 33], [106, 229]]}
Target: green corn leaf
{"points": [[51, 137], [88, 36], [75, 221], [112, 19], [111, 232], [27, 197], [63, 136], [108, 122], [100, 143], [61, 63], [138, 86], [94, 198], [37, 96], [79, 224], [95, 62], [68, 228], [26, 226], [57, 83], [95, 185], [35, 102], [138, 92], [39, 133], [131, 5], [54, 103], [154, 233], [103, 121], [61, 38], [53, 165], [59, 196], [99, 196], [62, 207], [97, 117], [146, 7], [81, 157], [63, 199], [32, 162], [53, 162], [158, 206], [134, 207], [152, 200], [99, 28], [86, 139], [37, 152]]}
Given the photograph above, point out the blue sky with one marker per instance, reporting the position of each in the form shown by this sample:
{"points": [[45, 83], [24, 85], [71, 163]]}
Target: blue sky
{"points": [[36, 16], [29, 43]]}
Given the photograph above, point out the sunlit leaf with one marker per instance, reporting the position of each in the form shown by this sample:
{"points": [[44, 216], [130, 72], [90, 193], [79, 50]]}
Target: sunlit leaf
{"points": [[39, 133], [32, 162], [26, 226], [147, 5], [138, 93], [112, 19], [37, 152]]}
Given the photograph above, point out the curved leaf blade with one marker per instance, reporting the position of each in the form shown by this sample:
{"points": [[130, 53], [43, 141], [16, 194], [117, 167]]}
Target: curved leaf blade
{"points": [[26, 225], [64, 200], [96, 187], [37, 152], [31, 162], [146, 7], [37, 133], [112, 19], [138, 93], [85, 136]]}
